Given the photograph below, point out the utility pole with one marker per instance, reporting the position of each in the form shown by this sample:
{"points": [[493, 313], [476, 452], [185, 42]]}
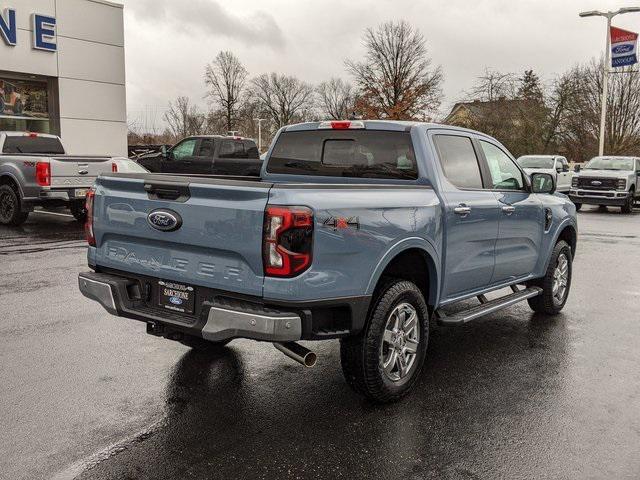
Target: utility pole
{"points": [[259, 120], [607, 62]]}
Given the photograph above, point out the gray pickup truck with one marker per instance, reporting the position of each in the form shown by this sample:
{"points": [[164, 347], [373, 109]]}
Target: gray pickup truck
{"points": [[357, 230], [35, 171]]}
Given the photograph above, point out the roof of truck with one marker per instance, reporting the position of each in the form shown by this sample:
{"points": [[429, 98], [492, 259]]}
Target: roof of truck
{"points": [[392, 125]]}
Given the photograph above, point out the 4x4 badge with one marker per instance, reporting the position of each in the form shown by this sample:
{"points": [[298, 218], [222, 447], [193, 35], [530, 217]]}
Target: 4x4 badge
{"points": [[342, 222]]}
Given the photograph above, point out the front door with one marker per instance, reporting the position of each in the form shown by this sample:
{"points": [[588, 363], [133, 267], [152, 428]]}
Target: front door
{"points": [[181, 157], [521, 216], [471, 216]]}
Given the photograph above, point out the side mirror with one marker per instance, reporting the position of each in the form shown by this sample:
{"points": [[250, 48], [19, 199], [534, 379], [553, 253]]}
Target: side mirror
{"points": [[565, 168], [542, 183], [559, 169], [576, 168]]}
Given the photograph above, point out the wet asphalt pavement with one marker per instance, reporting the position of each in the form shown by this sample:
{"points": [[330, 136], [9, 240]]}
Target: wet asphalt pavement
{"points": [[513, 395]]}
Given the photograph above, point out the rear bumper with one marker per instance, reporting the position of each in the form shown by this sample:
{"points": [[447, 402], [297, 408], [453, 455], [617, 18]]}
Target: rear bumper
{"points": [[223, 316], [56, 195], [601, 197]]}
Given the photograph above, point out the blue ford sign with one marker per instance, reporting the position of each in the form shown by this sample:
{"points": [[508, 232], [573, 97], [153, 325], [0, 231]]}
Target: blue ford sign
{"points": [[624, 48], [164, 220], [43, 30]]}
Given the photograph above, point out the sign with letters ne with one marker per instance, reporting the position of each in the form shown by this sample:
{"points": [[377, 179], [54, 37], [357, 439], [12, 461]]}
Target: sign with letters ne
{"points": [[623, 47], [43, 28]]}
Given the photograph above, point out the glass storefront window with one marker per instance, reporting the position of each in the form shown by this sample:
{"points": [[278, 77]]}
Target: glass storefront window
{"points": [[24, 105]]}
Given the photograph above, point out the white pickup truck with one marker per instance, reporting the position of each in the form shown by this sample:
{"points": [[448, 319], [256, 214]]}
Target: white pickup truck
{"points": [[35, 171]]}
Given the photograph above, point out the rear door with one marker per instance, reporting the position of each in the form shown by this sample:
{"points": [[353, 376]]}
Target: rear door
{"points": [[217, 244], [229, 158], [471, 215], [521, 215]]}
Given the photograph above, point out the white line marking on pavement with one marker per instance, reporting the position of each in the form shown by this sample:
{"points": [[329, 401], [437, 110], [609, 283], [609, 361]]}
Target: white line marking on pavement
{"points": [[53, 213]]}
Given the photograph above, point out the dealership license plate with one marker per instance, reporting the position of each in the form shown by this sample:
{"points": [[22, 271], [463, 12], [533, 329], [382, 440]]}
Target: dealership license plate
{"points": [[80, 192], [177, 297]]}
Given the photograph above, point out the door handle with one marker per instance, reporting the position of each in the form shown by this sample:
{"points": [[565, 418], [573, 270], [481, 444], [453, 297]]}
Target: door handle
{"points": [[462, 210], [508, 209]]}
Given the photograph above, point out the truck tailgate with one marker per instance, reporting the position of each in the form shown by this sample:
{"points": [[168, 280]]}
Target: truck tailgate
{"points": [[218, 244], [73, 171]]}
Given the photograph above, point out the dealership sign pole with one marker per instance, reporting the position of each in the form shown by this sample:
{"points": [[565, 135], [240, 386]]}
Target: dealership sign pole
{"points": [[617, 50]]}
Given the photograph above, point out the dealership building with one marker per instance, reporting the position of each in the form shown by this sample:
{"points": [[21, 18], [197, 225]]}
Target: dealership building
{"points": [[62, 71]]}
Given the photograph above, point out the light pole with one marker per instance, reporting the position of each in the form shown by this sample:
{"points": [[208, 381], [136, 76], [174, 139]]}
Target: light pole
{"points": [[259, 120], [607, 61]]}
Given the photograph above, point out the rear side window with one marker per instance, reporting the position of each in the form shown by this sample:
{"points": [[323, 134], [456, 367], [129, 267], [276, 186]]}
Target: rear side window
{"points": [[458, 160], [232, 149], [345, 153], [26, 144], [250, 148]]}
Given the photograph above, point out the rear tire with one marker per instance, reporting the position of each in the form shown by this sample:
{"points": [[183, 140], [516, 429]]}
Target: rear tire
{"points": [[10, 207], [556, 283], [384, 361]]}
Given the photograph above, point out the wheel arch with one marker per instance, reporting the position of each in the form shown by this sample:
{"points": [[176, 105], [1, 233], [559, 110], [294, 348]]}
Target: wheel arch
{"points": [[412, 259], [9, 178]]}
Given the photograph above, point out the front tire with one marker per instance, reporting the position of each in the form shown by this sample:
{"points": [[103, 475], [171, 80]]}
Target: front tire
{"points": [[628, 205], [556, 283], [578, 206], [10, 207], [384, 361]]}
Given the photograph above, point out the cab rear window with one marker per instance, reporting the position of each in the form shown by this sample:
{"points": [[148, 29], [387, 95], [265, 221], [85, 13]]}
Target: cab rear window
{"points": [[28, 144], [345, 153]]}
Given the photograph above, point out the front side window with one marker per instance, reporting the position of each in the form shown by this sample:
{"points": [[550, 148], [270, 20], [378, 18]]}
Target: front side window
{"points": [[458, 160], [184, 149], [505, 175]]}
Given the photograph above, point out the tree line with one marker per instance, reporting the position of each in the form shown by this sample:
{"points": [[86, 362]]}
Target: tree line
{"points": [[396, 79]]}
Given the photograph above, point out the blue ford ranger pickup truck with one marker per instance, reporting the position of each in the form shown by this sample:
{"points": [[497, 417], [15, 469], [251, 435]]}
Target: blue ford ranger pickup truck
{"points": [[357, 230]]}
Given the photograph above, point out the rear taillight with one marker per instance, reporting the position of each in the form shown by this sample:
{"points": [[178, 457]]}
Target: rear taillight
{"points": [[114, 167], [43, 174], [88, 224], [288, 240]]}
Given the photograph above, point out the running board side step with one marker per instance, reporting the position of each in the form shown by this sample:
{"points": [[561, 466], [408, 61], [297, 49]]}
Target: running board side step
{"points": [[487, 307]]}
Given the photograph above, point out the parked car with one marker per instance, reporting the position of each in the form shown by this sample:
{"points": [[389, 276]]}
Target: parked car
{"points": [[555, 165], [126, 165], [34, 170], [607, 181], [210, 154], [357, 230]]}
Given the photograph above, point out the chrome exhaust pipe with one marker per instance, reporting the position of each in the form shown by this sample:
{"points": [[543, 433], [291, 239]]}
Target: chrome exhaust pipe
{"points": [[297, 352]]}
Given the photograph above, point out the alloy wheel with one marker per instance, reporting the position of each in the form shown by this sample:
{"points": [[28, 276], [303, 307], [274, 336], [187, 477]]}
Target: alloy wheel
{"points": [[400, 341]]}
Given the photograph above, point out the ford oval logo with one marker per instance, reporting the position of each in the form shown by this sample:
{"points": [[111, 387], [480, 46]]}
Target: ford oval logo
{"points": [[596, 182], [175, 300], [164, 220], [626, 48]]}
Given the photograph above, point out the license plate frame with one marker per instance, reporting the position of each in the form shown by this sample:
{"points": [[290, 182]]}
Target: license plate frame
{"points": [[176, 297], [80, 192]]}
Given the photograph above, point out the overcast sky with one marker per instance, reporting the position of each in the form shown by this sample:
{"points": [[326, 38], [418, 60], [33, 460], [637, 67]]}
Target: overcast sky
{"points": [[168, 42]]}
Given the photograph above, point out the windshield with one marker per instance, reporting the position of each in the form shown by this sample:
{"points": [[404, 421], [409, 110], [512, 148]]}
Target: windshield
{"points": [[609, 163], [32, 144], [536, 162], [345, 153]]}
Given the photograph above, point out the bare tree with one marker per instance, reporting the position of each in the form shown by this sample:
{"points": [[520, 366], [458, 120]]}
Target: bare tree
{"points": [[396, 80], [184, 119], [336, 99], [492, 86], [284, 98], [226, 77]]}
